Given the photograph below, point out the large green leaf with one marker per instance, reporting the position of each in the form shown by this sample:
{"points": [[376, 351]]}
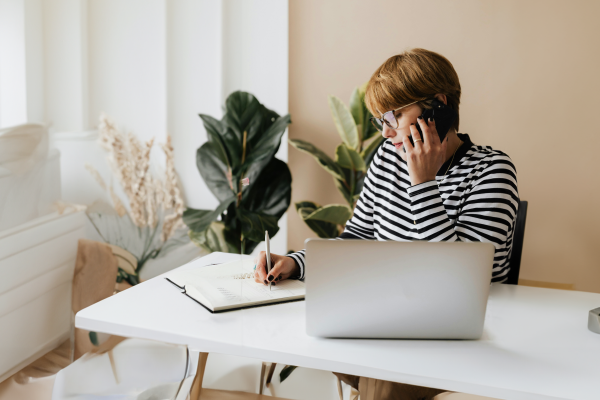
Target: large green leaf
{"points": [[349, 158], [369, 152], [368, 128], [199, 220], [259, 125], [344, 122], [243, 113], [271, 192], [335, 213], [234, 148], [213, 171], [357, 108], [323, 229], [323, 159], [268, 143], [214, 129], [362, 115], [241, 108], [254, 225]]}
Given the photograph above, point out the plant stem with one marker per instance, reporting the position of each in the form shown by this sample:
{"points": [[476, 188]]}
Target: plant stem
{"points": [[244, 147]]}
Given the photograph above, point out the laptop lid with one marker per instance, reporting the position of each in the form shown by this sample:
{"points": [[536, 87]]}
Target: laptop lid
{"points": [[411, 290]]}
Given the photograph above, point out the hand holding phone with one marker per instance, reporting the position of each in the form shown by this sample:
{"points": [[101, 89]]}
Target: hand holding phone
{"points": [[443, 115]]}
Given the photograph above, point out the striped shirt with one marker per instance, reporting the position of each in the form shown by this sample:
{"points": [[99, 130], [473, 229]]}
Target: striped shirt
{"points": [[476, 202]]}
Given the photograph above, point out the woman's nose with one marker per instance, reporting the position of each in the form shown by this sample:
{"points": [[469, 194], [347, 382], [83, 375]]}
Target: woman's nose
{"points": [[388, 132]]}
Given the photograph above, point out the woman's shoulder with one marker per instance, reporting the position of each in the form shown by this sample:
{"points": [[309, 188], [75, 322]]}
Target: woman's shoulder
{"points": [[487, 156]]}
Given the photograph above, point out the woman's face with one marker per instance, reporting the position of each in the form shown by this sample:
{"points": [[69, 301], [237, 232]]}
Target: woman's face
{"points": [[405, 117]]}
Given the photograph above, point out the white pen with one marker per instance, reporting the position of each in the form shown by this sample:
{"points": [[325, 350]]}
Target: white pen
{"points": [[268, 251]]}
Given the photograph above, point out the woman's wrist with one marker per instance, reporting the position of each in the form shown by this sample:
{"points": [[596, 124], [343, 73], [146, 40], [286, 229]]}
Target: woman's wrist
{"points": [[294, 267]]}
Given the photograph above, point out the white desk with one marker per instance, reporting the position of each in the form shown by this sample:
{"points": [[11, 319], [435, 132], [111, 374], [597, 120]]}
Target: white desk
{"points": [[536, 344]]}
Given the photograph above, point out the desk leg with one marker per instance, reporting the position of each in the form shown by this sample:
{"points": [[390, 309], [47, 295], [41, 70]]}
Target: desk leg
{"points": [[197, 384], [339, 386], [271, 371], [366, 387], [262, 378]]}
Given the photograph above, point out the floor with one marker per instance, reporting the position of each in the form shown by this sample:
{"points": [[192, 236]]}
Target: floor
{"points": [[238, 373], [225, 372]]}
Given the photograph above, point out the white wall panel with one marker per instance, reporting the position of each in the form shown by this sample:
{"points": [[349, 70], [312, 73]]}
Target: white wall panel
{"points": [[13, 106], [66, 65], [21, 62], [127, 64], [193, 86], [34, 56], [255, 52]]}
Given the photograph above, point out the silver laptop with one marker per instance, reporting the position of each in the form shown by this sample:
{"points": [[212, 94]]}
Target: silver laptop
{"points": [[405, 290]]}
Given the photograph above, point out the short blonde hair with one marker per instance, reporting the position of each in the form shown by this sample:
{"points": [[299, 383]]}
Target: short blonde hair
{"points": [[412, 76]]}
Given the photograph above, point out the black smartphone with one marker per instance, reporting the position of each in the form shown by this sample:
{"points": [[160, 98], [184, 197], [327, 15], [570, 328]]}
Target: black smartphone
{"points": [[443, 115]]}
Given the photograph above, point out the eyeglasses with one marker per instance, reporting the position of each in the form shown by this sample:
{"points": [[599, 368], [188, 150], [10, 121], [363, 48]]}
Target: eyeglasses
{"points": [[389, 118]]}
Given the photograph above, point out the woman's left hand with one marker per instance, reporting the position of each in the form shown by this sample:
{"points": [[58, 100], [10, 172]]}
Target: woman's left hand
{"points": [[425, 158]]}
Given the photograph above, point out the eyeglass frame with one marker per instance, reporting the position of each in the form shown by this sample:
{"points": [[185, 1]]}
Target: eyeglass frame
{"points": [[382, 120]]}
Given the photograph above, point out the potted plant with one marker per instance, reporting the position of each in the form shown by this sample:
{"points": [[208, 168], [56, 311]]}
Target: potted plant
{"points": [[239, 167], [360, 141]]}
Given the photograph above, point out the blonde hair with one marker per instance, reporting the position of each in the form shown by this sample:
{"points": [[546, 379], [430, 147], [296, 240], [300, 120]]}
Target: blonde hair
{"points": [[412, 76]]}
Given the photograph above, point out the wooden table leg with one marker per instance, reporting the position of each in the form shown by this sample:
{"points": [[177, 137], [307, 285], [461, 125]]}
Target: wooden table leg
{"points": [[262, 378], [196, 389], [270, 374], [366, 387], [339, 386]]}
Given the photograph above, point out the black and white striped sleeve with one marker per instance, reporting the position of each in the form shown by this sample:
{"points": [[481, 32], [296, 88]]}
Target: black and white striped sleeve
{"points": [[486, 214]]}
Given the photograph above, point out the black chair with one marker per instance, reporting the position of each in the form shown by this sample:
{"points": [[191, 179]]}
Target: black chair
{"points": [[517, 245]]}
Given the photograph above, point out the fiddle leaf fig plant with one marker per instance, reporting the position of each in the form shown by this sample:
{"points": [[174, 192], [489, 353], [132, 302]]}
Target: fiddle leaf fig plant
{"points": [[239, 167], [360, 141]]}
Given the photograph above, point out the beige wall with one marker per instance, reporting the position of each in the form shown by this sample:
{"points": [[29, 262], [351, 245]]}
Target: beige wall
{"points": [[530, 74]]}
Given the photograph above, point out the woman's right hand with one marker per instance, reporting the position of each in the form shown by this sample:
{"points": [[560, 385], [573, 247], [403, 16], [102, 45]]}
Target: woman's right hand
{"points": [[282, 267]]}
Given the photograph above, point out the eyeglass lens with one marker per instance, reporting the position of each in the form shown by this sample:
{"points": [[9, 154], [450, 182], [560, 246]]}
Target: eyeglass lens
{"points": [[390, 119]]}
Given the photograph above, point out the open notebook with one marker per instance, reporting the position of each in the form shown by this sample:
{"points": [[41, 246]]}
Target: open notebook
{"points": [[231, 286]]}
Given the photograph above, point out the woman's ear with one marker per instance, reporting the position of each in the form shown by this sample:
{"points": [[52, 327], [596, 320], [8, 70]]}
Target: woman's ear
{"points": [[442, 98]]}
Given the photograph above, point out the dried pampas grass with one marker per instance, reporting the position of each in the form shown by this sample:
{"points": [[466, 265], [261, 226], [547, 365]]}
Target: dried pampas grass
{"points": [[149, 198]]}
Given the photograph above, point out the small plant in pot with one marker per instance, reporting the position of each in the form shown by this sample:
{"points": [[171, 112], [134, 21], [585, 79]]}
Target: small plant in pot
{"points": [[239, 167]]}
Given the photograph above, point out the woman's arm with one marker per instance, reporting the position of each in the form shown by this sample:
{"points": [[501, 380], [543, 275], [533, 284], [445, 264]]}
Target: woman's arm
{"points": [[487, 213]]}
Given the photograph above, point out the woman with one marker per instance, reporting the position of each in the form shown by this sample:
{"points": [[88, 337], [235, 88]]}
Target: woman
{"points": [[434, 191]]}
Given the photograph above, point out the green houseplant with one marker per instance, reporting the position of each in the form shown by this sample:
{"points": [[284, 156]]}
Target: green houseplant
{"points": [[353, 156], [239, 167]]}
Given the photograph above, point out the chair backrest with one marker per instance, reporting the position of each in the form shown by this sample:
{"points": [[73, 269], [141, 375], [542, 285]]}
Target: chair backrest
{"points": [[517, 245]]}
